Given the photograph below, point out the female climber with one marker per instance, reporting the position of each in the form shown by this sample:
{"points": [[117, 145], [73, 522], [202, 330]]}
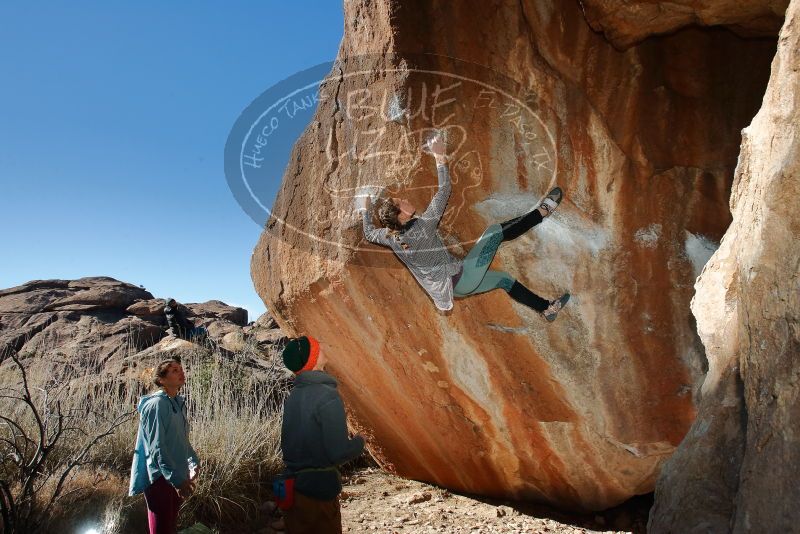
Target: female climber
{"points": [[415, 240]]}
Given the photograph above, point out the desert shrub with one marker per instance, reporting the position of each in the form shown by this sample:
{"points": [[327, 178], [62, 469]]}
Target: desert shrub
{"points": [[235, 425], [45, 441], [234, 410]]}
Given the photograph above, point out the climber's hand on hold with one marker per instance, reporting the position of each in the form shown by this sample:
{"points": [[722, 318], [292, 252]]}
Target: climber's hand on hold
{"points": [[363, 197], [362, 203], [438, 148]]}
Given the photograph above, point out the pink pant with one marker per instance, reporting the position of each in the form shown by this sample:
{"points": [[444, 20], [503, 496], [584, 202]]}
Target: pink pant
{"points": [[163, 503]]}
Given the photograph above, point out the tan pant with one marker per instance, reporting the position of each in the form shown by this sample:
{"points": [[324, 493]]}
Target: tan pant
{"points": [[310, 516]]}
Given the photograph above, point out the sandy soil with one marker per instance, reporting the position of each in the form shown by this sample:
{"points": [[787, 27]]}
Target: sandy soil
{"points": [[375, 501]]}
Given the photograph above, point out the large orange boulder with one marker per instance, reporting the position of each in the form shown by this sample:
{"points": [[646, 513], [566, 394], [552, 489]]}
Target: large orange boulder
{"points": [[489, 398]]}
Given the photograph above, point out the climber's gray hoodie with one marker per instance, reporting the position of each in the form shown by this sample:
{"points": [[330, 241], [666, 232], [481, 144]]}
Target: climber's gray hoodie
{"points": [[314, 435]]}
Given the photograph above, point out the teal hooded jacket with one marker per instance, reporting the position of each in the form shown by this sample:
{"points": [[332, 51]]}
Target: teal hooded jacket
{"points": [[162, 443]]}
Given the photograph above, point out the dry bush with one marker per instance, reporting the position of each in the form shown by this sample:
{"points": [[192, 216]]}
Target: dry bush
{"points": [[45, 441], [234, 411], [235, 416]]}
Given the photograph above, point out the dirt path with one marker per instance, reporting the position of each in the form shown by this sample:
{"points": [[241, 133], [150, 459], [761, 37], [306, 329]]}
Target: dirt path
{"points": [[375, 501]]}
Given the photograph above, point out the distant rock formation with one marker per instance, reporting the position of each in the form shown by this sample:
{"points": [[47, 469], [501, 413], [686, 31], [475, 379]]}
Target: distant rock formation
{"points": [[489, 398], [75, 317], [107, 321]]}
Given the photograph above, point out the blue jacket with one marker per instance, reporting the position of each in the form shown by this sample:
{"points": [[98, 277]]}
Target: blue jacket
{"points": [[162, 443]]}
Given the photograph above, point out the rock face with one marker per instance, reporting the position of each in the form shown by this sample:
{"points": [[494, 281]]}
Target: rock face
{"points": [[97, 319], [736, 471], [489, 398], [83, 318], [624, 22]]}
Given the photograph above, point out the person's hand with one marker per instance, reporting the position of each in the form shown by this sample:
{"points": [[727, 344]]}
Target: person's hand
{"points": [[362, 203], [437, 146], [186, 489], [363, 197]]}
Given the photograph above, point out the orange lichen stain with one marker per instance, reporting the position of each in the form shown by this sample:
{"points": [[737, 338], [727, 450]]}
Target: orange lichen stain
{"points": [[522, 169], [659, 413]]}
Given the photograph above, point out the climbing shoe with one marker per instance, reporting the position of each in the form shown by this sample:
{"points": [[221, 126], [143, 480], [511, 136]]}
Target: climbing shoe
{"points": [[555, 306], [552, 200]]}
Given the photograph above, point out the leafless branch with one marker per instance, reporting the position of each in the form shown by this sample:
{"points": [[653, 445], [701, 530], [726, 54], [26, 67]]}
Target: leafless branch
{"points": [[79, 458]]}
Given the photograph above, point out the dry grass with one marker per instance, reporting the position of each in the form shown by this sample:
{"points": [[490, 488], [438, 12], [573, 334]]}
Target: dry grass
{"points": [[235, 416]]}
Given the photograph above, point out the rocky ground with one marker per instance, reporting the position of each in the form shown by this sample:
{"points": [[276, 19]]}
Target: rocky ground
{"points": [[376, 501]]}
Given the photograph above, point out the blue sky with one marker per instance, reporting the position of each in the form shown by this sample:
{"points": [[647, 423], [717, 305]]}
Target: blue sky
{"points": [[113, 121]]}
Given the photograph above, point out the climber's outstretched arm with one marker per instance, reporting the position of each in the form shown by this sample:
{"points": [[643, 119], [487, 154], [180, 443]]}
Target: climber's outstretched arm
{"points": [[438, 204], [375, 235]]}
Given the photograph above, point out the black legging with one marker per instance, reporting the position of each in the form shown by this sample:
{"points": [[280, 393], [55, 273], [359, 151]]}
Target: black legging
{"points": [[516, 227], [511, 230]]}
